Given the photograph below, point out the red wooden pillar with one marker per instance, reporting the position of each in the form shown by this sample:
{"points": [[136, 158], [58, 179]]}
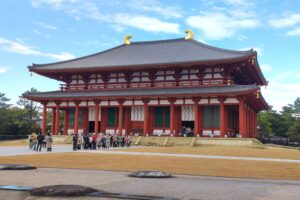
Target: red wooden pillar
{"points": [[66, 121], [76, 117], [57, 116], [222, 117], [201, 120], [255, 125], [196, 116], [172, 115], [120, 101], [146, 116], [53, 121], [44, 122], [242, 118], [251, 123], [85, 119], [97, 109]]}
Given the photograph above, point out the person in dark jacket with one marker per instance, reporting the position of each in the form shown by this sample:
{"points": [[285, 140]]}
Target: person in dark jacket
{"points": [[75, 142], [40, 139]]}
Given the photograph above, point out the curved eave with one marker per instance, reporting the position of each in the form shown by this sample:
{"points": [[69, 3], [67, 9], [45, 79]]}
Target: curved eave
{"points": [[180, 95], [258, 71], [50, 72]]}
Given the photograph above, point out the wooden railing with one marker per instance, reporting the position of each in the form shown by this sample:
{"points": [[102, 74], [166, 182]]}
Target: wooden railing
{"points": [[146, 84]]}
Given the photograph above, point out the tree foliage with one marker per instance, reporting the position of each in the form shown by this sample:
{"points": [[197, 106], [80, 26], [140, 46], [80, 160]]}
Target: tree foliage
{"points": [[285, 123], [18, 120]]}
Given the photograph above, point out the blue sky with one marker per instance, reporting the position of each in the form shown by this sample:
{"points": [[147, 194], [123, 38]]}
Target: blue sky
{"points": [[42, 31]]}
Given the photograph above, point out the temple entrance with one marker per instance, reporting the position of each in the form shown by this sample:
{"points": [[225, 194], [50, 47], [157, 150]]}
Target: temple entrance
{"points": [[189, 127], [92, 126]]}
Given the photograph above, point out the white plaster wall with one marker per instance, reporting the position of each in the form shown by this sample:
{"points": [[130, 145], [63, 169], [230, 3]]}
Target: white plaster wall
{"points": [[137, 113], [187, 113], [164, 102], [138, 102], [92, 112], [231, 100], [189, 101], [203, 101], [153, 102], [214, 101]]}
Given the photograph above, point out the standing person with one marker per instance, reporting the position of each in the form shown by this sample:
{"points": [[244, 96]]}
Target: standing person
{"points": [[75, 142], [30, 141], [107, 141], [40, 139], [128, 140], [94, 141], [49, 142], [34, 141]]}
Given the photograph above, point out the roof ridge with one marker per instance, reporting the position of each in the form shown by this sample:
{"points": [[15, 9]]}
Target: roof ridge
{"points": [[157, 41], [221, 49]]}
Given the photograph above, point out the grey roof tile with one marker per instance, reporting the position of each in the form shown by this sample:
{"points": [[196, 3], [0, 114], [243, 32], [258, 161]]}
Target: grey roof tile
{"points": [[123, 93], [149, 53]]}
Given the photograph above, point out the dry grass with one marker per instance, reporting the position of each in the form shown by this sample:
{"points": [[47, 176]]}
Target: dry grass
{"points": [[14, 143], [175, 165], [224, 151], [58, 139]]}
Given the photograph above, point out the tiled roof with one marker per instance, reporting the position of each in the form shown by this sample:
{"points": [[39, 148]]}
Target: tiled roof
{"points": [[123, 93], [149, 53]]}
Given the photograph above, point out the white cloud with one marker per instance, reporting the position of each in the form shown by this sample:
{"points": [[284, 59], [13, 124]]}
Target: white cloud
{"points": [[285, 21], [146, 23], [3, 69], [156, 7], [120, 21], [219, 25], [45, 25], [295, 32], [283, 89], [265, 68], [20, 48]]}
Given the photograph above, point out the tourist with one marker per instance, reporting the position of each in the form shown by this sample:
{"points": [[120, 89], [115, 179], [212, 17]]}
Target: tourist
{"points": [[40, 139], [85, 141], [49, 142], [128, 140], [94, 141], [107, 141], [34, 141], [75, 142], [79, 144], [30, 141], [103, 142]]}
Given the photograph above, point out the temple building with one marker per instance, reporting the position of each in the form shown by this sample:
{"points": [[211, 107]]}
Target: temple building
{"points": [[156, 88]]}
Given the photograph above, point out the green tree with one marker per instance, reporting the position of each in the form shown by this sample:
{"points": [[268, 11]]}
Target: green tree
{"points": [[31, 112], [3, 101], [264, 123]]}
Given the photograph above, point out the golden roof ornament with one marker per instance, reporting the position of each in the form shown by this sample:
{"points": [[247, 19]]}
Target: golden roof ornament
{"points": [[190, 34], [127, 39], [257, 94]]}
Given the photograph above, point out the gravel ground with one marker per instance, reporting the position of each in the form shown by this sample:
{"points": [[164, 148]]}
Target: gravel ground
{"points": [[182, 187]]}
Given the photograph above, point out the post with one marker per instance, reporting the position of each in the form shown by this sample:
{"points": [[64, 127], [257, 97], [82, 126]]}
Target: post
{"points": [[76, 117], [196, 116], [57, 116], [120, 101], [242, 118], [222, 117], [44, 122], [66, 121], [97, 109], [146, 116], [172, 116], [53, 121]]}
